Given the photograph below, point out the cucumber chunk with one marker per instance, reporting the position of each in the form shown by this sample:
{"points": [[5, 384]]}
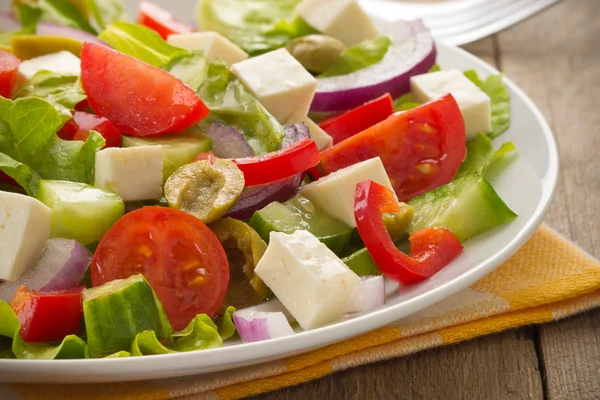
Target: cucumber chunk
{"points": [[361, 263], [178, 150], [467, 206], [300, 213], [117, 311], [79, 211]]}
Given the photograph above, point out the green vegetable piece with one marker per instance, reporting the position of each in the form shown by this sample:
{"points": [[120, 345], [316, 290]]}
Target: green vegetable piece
{"points": [[116, 312], [201, 333], [397, 223], [178, 150], [64, 12], [140, 42], [26, 47], [204, 189], [232, 105], [495, 89], [361, 263], [225, 324], [29, 16], [30, 149], [244, 248], [119, 354], [79, 211], [467, 206], [106, 11], [316, 53], [405, 103], [191, 68], [357, 57], [146, 343], [481, 156], [299, 213]]}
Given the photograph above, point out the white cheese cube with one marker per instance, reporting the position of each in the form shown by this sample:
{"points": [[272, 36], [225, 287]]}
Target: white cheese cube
{"points": [[24, 231], [134, 173], [279, 82], [475, 105], [62, 62], [321, 138], [334, 193], [308, 278], [212, 44], [344, 20]]}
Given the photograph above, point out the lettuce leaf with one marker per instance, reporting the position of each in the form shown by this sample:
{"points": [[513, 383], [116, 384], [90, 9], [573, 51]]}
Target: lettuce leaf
{"points": [[481, 155], [405, 103], [225, 324], [191, 68], [231, 105], [64, 12], [495, 89], [30, 149], [146, 343], [201, 333], [140, 42], [357, 57], [106, 11]]}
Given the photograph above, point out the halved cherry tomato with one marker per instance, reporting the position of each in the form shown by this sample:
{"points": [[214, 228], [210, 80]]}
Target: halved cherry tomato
{"points": [[82, 123], [139, 99], [359, 119], [421, 149], [161, 21], [431, 249], [9, 73], [48, 316], [182, 259], [296, 158]]}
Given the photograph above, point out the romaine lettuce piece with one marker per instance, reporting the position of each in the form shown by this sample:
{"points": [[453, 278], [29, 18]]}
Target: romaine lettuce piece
{"points": [[64, 12], [359, 56], [106, 11], [495, 89], [190, 67], [481, 156]]}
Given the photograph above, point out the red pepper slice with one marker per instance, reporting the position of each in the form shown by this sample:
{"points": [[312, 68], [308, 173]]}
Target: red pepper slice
{"points": [[280, 164], [431, 249], [48, 316], [161, 21], [358, 119], [9, 73]]}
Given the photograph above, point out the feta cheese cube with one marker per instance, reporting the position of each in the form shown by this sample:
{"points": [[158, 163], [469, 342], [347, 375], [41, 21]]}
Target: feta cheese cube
{"points": [[342, 19], [134, 173], [321, 138], [24, 230], [279, 82], [62, 62], [212, 44], [334, 193], [307, 277], [475, 105]]}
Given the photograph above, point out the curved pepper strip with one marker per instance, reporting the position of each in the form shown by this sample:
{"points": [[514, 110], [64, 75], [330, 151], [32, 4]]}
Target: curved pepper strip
{"points": [[431, 249]]}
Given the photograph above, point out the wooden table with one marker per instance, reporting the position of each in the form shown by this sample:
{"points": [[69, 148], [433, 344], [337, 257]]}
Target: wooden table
{"points": [[555, 58]]}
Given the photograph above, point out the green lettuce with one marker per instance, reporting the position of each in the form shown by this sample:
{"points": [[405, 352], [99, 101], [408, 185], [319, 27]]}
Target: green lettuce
{"points": [[359, 56], [225, 324], [65, 13], [146, 343], [30, 149], [106, 11], [405, 103], [481, 155], [495, 89], [231, 104], [190, 67], [201, 333], [140, 42]]}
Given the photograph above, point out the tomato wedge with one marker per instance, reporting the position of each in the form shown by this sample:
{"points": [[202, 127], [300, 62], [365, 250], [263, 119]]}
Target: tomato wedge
{"points": [[358, 119], [139, 99], [181, 258], [82, 123], [160, 20], [431, 249], [421, 149], [296, 158], [9, 73]]}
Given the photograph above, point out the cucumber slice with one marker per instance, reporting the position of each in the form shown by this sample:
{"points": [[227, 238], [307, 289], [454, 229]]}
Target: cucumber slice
{"points": [[178, 150], [467, 206], [79, 211], [299, 213], [362, 263], [117, 311]]}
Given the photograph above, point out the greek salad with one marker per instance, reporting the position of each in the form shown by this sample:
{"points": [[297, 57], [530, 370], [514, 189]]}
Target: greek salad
{"points": [[167, 186]]}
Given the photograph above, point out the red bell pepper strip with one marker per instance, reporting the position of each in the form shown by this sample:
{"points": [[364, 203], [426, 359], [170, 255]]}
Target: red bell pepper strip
{"points": [[358, 119], [9, 73], [431, 249], [161, 21], [82, 123], [48, 316], [298, 157]]}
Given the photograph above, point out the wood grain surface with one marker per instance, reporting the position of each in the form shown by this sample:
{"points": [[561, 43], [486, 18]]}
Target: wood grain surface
{"points": [[555, 58]]}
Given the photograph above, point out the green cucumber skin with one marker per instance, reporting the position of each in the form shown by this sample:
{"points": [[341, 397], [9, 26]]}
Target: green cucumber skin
{"points": [[113, 319], [467, 206], [362, 263]]}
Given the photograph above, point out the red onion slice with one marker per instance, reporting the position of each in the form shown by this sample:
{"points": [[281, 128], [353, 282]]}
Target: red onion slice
{"points": [[62, 265], [254, 327], [368, 295], [294, 132], [228, 142], [271, 306], [412, 53]]}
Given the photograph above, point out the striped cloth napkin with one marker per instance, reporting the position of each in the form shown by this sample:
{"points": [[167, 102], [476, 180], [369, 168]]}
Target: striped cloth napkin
{"points": [[548, 279]]}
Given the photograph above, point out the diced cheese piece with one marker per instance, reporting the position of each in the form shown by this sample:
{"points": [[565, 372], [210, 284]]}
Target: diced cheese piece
{"points": [[475, 105], [307, 277], [344, 20], [134, 173], [212, 44], [24, 231], [62, 62], [334, 193], [321, 138], [279, 82]]}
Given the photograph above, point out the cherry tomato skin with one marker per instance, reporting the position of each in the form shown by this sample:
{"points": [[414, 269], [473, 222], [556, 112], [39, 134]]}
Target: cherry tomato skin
{"points": [[181, 258], [139, 99], [104, 127], [9, 73], [160, 20]]}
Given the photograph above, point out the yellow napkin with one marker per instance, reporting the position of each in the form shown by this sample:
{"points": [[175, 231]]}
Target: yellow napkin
{"points": [[548, 279]]}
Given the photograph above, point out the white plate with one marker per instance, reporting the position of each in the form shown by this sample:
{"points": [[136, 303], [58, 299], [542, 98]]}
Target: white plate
{"points": [[527, 185]]}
